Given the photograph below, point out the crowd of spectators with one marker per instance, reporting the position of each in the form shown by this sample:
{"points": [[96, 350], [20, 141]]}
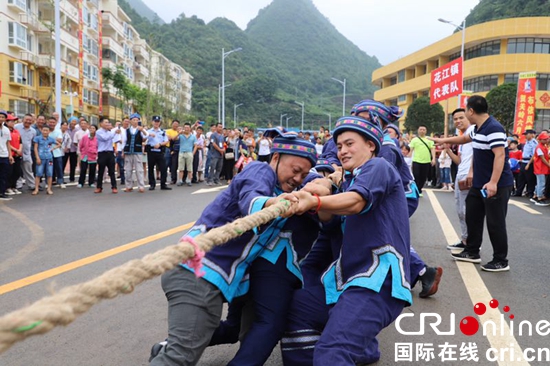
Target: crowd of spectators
{"points": [[43, 150]]}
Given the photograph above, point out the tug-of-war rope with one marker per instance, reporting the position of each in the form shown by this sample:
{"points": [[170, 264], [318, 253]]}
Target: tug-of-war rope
{"points": [[63, 307]]}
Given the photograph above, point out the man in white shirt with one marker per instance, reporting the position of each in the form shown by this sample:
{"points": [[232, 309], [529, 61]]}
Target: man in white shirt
{"points": [[6, 157], [464, 162], [119, 150], [27, 136]]}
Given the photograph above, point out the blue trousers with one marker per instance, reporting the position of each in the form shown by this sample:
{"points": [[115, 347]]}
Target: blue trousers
{"points": [[270, 296], [343, 334], [417, 264]]}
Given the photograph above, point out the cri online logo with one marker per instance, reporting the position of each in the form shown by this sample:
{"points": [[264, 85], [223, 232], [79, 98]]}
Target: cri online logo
{"points": [[469, 325]]}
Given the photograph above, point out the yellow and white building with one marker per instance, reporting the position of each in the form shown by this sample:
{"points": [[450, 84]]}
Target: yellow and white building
{"points": [[94, 34], [495, 53]]}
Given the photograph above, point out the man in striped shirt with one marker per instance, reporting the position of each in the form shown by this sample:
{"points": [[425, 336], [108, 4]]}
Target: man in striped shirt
{"points": [[490, 181]]}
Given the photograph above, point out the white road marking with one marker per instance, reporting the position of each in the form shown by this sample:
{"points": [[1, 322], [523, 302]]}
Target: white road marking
{"points": [[524, 207], [210, 190], [478, 291]]}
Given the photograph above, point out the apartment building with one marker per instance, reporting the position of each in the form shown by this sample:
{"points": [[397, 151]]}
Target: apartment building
{"points": [[94, 34], [495, 53]]}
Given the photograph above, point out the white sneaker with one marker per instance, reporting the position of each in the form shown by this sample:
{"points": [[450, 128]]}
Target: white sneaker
{"points": [[62, 186], [9, 192], [16, 191]]}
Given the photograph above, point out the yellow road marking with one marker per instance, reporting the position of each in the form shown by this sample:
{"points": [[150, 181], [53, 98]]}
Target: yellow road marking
{"points": [[12, 286], [478, 291], [524, 207]]}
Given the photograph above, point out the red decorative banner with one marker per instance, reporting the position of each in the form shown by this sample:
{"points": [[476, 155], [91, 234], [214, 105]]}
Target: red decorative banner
{"points": [[100, 56], [80, 58], [525, 103], [464, 98], [446, 81]]}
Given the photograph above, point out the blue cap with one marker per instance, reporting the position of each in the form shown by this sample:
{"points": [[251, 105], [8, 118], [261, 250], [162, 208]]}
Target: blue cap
{"points": [[324, 165], [73, 118], [4, 113], [363, 127], [292, 145], [378, 110], [156, 118], [135, 115]]}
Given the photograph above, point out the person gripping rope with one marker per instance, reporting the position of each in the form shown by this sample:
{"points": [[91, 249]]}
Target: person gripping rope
{"points": [[326, 326], [195, 305]]}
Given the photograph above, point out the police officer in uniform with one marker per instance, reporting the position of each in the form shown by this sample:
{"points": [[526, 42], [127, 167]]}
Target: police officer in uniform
{"points": [[156, 145]]}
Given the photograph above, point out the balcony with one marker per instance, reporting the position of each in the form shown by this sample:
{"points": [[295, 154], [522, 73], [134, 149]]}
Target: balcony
{"points": [[140, 50], [141, 69], [69, 70], [46, 61], [18, 4], [113, 45], [93, 2], [69, 40], [28, 93], [29, 57], [110, 21], [69, 9], [32, 23]]}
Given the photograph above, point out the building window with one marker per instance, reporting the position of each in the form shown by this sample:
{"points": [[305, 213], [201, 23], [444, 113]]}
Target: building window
{"points": [[543, 82], [529, 45], [93, 21], [401, 76], [19, 73], [17, 35], [481, 84], [393, 80], [402, 98], [414, 97], [511, 78], [20, 107], [543, 119], [485, 49], [454, 56], [393, 102]]}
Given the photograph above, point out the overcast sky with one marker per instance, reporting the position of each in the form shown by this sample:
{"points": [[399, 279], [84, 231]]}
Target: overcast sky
{"points": [[388, 29]]}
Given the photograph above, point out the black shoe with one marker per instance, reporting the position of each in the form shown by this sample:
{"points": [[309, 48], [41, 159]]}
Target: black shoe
{"points": [[165, 188], [155, 350], [4, 197], [466, 257], [496, 266], [151, 188], [459, 245], [430, 281], [122, 182]]}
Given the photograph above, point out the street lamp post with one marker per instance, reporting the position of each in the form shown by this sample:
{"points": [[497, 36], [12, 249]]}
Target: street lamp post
{"points": [[344, 96], [281, 119], [329, 121], [220, 101], [71, 94], [287, 118], [463, 29], [303, 106], [235, 106], [224, 55]]}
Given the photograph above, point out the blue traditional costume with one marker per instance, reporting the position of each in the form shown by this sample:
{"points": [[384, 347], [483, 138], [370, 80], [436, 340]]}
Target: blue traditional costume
{"points": [[366, 288], [195, 306], [385, 116]]}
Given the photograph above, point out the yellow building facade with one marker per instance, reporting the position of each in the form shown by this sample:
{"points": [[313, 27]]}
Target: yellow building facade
{"points": [[495, 53]]}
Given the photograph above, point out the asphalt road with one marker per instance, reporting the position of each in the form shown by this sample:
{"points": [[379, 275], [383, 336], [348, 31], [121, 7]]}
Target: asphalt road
{"points": [[41, 234]]}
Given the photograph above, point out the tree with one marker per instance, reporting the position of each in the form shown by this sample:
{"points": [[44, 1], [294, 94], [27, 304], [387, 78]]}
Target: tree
{"points": [[502, 104], [422, 113]]}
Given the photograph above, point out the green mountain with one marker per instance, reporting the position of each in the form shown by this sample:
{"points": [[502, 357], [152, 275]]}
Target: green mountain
{"points": [[290, 52], [144, 11], [488, 10]]}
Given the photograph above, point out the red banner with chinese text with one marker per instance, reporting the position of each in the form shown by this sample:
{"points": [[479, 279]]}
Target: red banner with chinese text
{"points": [[525, 103], [446, 81]]}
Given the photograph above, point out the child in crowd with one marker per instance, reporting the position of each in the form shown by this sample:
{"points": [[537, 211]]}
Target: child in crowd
{"points": [[319, 146], [445, 170], [406, 151], [541, 168], [88, 157], [516, 156], [43, 147]]}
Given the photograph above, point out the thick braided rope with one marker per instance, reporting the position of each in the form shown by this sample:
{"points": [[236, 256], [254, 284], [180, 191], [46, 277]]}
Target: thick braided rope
{"points": [[63, 307]]}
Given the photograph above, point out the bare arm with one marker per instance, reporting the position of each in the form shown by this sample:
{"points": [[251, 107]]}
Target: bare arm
{"points": [[347, 203], [454, 157], [458, 140]]}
